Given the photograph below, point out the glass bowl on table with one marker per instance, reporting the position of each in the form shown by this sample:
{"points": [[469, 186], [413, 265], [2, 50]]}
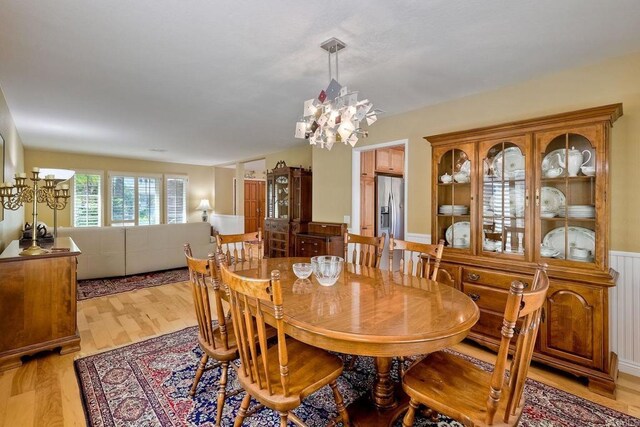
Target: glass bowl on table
{"points": [[302, 270], [327, 269]]}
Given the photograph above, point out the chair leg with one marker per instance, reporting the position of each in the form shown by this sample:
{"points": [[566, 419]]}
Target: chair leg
{"points": [[222, 392], [201, 367], [410, 416], [342, 410], [243, 410], [400, 367], [283, 419]]}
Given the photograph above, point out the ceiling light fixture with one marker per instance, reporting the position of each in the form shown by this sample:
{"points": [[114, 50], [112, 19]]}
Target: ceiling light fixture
{"points": [[335, 115]]}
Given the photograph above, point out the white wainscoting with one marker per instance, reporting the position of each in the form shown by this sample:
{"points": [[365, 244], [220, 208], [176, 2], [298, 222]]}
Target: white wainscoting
{"points": [[624, 311], [227, 224], [624, 307]]}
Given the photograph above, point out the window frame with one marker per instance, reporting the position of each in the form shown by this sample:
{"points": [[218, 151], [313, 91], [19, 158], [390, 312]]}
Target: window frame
{"points": [[101, 199], [165, 194], [136, 176]]}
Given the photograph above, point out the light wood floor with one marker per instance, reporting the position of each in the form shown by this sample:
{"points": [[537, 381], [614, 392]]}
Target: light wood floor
{"points": [[44, 391]]}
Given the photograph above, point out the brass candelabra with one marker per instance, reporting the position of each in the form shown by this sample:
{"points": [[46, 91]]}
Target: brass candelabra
{"points": [[13, 197]]}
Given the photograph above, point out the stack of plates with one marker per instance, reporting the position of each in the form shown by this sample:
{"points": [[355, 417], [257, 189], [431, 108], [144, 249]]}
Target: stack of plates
{"points": [[453, 210], [579, 211]]}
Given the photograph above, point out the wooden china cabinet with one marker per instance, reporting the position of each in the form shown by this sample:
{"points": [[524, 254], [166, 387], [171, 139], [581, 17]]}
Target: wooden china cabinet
{"points": [[288, 208], [509, 197]]}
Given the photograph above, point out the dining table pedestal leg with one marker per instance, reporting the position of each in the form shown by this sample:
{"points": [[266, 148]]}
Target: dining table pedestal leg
{"points": [[386, 402]]}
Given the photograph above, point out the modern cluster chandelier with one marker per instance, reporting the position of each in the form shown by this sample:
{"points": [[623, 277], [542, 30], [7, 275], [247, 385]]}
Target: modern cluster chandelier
{"points": [[335, 115]]}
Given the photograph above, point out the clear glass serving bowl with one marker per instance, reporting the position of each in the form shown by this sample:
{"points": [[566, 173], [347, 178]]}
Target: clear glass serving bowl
{"points": [[327, 269], [302, 270]]}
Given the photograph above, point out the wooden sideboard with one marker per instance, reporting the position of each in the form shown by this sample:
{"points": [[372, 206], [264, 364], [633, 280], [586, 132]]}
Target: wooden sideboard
{"points": [[38, 302], [321, 238]]}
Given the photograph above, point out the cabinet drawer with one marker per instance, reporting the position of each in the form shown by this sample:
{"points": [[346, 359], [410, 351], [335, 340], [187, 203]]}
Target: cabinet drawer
{"points": [[326, 228], [310, 247], [493, 299], [489, 324], [492, 278]]}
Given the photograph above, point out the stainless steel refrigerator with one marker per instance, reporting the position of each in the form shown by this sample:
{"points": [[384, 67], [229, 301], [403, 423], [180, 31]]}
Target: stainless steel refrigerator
{"points": [[389, 211]]}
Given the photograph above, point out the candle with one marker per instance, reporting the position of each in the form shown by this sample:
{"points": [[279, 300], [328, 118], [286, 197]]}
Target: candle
{"points": [[65, 186], [21, 175], [35, 170], [49, 177]]}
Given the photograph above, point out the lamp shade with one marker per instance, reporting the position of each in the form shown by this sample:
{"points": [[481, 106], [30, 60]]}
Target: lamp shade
{"points": [[204, 205]]}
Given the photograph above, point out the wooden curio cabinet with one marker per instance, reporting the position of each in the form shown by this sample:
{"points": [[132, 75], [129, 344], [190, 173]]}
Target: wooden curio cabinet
{"points": [[509, 197], [288, 208]]}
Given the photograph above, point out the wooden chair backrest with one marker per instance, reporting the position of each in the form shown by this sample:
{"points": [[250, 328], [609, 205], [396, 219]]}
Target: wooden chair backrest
{"points": [[527, 307], [363, 250], [417, 259], [202, 272], [249, 320], [240, 247]]}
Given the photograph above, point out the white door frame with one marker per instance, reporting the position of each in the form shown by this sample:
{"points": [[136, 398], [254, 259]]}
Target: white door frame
{"points": [[355, 182]]}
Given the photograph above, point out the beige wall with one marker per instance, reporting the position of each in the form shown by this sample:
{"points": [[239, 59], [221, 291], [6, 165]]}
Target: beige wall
{"points": [[616, 80], [14, 157], [223, 200], [298, 156], [201, 178]]}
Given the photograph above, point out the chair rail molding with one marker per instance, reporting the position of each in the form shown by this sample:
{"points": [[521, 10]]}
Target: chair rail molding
{"points": [[624, 300]]}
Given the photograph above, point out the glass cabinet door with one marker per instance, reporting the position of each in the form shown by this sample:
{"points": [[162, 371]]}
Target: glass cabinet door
{"points": [[503, 196], [281, 194], [454, 198], [566, 198]]}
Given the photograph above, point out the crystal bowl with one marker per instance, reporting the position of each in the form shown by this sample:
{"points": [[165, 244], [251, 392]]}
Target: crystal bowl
{"points": [[327, 269], [302, 270]]}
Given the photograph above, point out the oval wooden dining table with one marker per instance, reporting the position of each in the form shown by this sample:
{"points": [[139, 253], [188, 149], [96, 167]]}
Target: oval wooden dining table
{"points": [[370, 312]]}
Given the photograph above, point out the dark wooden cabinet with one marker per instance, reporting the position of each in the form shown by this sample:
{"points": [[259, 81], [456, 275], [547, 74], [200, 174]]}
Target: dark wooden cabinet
{"points": [[506, 198], [321, 238], [37, 302], [288, 208]]}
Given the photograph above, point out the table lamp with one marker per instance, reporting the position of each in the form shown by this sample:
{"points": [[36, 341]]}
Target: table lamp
{"points": [[204, 206]]}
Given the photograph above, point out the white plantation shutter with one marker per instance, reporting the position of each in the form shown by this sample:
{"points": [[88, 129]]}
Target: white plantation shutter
{"points": [[87, 200], [176, 197], [148, 200], [123, 200]]}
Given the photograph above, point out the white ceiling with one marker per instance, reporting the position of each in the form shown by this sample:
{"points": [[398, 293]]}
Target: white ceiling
{"points": [[218, 81]]}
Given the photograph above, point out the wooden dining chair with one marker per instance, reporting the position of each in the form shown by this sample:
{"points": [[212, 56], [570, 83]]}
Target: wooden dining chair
{"points": [[241, 247], [419, 260], [279, 376], [363, 250], [216, 341], [416, 259], [452, 385]]}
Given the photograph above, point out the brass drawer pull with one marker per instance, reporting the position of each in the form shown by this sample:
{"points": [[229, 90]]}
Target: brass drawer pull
{"points": [[474, 297], [473, 276]]}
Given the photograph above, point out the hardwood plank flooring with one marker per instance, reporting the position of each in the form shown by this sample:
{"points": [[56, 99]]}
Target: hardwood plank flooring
{"points": [[44, 391]]}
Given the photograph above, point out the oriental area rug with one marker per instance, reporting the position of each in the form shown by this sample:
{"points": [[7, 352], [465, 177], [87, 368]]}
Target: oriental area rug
{"points": [[93, 288], [147, 384]]}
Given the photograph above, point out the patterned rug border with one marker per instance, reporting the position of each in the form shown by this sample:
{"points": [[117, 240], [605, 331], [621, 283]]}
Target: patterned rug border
{"points": [[95, 288], [193, 329]]}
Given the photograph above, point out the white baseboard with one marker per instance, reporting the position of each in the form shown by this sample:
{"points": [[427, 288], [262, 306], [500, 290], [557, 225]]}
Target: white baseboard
{"points": [[629, 367]]}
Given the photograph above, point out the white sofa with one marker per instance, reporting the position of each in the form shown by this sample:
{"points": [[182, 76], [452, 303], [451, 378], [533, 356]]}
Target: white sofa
{"points": [[122, 251]]}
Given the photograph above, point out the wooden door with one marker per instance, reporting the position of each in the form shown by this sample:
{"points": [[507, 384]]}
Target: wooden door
{"points": [[367, 206], [253, 206]]}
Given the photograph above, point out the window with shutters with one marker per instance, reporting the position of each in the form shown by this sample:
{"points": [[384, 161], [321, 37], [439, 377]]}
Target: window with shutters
{"points": [[87, 199], [176, 199], [134, 199]]}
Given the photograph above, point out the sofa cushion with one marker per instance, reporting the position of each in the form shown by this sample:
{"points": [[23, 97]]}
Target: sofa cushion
{"points": [[102, 250], [160, 247]]}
